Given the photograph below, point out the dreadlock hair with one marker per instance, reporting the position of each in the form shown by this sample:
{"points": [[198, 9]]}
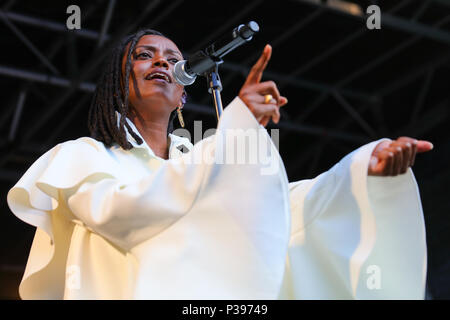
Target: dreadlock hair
{"points": [[109, 98]]}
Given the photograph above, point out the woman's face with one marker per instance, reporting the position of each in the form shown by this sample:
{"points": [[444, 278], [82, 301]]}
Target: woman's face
{"points": [[151, 84]]}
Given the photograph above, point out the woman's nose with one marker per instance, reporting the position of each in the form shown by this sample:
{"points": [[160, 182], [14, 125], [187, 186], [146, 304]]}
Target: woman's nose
{"points": [[161, 62]]}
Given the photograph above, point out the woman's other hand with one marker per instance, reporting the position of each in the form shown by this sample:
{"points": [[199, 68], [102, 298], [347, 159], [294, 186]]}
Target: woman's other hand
{"points": [[391, 158]]}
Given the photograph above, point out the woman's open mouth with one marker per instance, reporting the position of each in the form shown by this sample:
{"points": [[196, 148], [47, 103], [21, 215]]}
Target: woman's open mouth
{"points": [[158, 76]]}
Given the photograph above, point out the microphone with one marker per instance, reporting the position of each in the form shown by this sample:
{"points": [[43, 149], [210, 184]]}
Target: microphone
{"points": [[186, 71]]}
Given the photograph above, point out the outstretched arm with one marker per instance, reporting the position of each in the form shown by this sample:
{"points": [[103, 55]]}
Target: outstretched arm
{"points": [[357, 234]]}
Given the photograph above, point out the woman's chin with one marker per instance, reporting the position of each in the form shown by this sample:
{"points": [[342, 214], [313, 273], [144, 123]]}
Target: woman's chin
{"points": [[157, 100]]}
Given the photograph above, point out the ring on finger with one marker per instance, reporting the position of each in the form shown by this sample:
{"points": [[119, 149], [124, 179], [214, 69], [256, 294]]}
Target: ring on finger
{"points": [[267, 98]]}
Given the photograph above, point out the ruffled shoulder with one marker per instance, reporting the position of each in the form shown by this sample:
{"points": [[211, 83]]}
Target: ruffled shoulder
{"points": [[64, 167], [36, 199]]}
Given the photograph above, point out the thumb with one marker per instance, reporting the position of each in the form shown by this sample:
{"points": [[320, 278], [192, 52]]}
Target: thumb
{"points": [[424, 146], [283, 101]]}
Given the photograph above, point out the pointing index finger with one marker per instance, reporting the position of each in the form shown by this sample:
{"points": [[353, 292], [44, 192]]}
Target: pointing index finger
{"points": [[258, 68]]}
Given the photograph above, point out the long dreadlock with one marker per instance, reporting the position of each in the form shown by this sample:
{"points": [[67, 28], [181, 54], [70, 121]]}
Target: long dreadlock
{"points": [[109, 98]]}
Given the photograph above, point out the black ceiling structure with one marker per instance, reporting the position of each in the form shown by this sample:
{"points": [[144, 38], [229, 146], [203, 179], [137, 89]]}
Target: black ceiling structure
{"points": [[347, 85]]}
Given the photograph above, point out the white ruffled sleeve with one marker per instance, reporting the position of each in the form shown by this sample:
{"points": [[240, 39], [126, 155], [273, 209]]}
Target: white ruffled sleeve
{"points": [[38, 199], [129, 213], [82, 183], [356, 237]]}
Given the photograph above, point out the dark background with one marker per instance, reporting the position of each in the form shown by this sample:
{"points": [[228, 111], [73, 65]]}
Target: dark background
{"points": [[346, 86]]}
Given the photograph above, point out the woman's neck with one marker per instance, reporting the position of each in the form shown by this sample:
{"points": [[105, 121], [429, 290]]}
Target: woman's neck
{"points": [[154, 132]]}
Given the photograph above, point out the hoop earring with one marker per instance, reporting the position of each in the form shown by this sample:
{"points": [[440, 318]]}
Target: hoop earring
{"points": [[180, 116]]}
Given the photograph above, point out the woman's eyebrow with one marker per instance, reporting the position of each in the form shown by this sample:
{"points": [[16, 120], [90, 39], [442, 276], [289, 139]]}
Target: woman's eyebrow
{"points": [[152, 48]]}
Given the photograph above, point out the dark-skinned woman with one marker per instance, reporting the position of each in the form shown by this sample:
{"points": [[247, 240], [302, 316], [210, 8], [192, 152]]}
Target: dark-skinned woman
{"points": [[126, 214]]}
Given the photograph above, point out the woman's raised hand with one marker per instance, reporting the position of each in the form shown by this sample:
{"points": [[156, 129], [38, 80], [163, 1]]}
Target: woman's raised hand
{"points": [[253, 93]]}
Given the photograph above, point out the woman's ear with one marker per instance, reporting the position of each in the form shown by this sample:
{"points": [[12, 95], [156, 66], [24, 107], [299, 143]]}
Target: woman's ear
{"points": [[183, 99]]}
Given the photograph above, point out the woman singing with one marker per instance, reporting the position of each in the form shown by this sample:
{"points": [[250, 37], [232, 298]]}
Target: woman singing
{"points": [[125, 214]]}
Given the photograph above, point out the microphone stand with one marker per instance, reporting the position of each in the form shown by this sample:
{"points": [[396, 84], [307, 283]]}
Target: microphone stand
{"points": [[215, 87]]}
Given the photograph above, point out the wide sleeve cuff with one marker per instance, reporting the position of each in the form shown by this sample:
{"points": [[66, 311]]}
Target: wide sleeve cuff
{"points": [[357, 236]]}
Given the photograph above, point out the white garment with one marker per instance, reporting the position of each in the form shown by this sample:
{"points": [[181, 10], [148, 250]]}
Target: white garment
{"points": [[116, 224]]}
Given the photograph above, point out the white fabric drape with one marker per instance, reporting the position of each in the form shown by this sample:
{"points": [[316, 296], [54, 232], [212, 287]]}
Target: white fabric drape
{"points": [[116, 224], [354, 236]]}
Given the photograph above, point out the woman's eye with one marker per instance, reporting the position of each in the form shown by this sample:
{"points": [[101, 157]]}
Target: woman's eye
{"points": [[173, 60], [143, 55]]}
